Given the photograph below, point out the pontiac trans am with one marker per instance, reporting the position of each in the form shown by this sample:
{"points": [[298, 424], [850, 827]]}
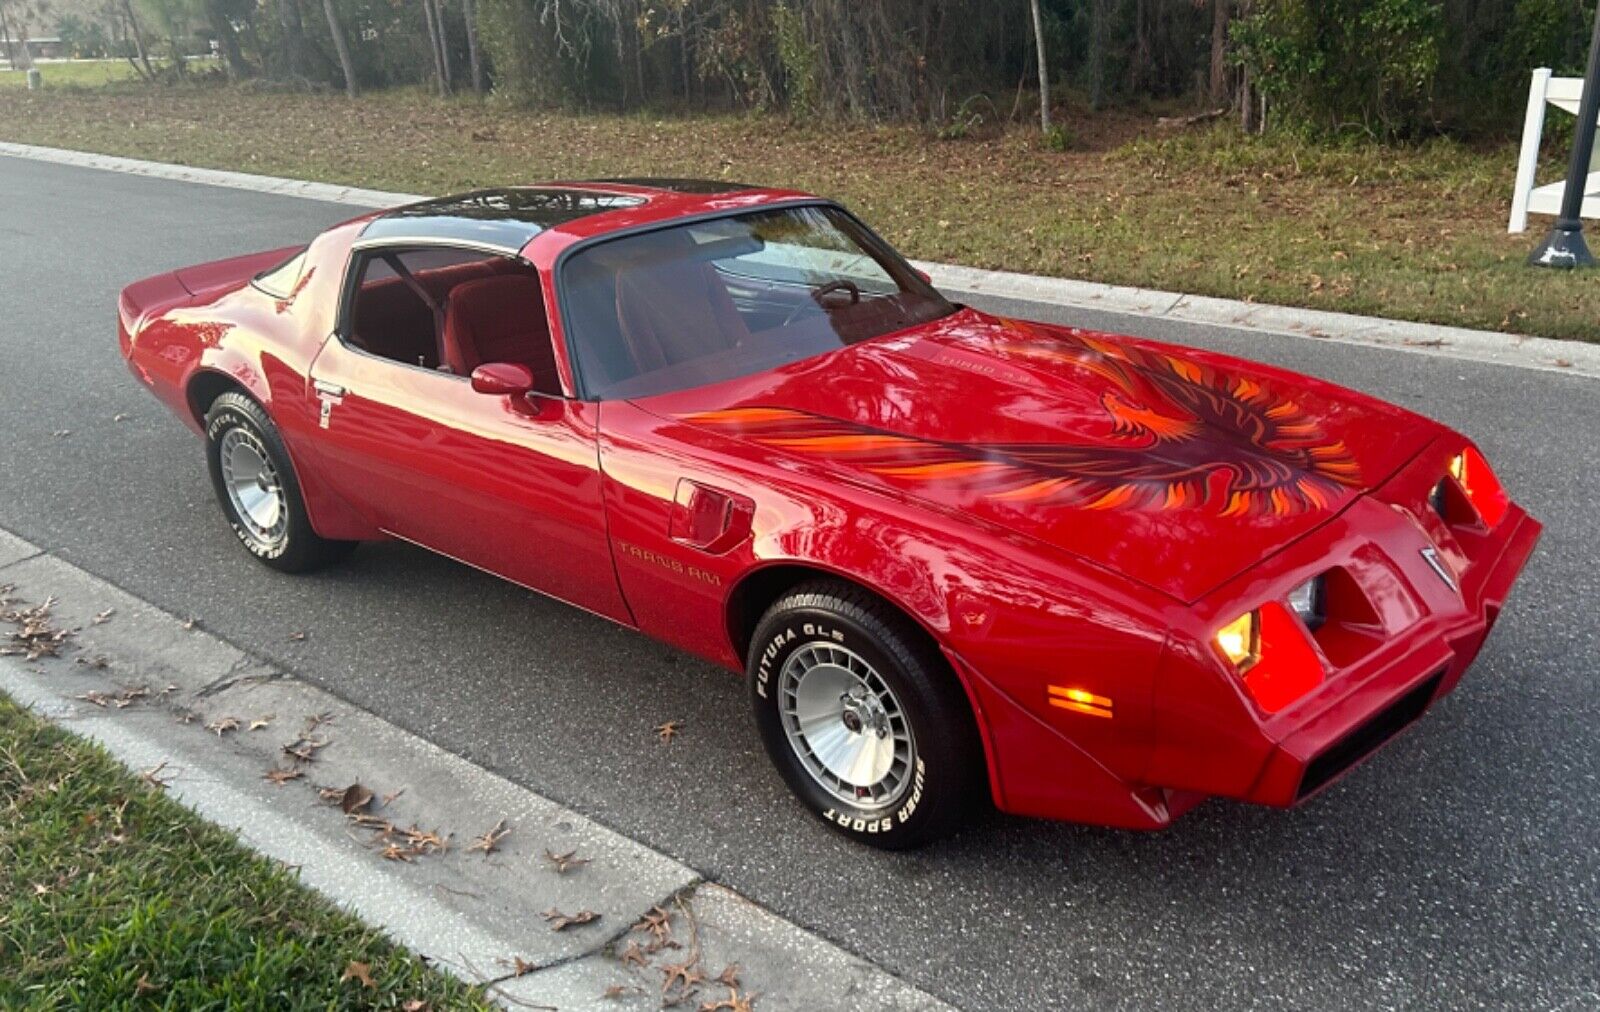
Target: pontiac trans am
{"points": [[955, 555]]}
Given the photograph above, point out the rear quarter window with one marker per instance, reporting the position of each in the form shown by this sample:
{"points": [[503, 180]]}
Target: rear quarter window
{"points": [[279, 281]]}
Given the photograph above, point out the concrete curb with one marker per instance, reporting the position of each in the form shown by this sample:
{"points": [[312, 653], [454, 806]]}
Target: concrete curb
{"points": [[1572, 358], [473, 914]]}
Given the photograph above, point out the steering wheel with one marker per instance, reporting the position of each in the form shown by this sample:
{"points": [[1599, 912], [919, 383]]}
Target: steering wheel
{"points": [[822, 291]]}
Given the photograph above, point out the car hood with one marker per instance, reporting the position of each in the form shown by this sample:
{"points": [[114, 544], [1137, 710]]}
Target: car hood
{"points": [[1176, 467]]}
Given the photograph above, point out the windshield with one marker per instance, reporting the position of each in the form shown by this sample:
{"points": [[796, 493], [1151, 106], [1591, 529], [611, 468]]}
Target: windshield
{"points": [[715, 300]]}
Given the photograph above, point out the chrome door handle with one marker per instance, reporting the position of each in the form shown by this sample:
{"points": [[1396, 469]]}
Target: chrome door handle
{"points": [[328, 389]]}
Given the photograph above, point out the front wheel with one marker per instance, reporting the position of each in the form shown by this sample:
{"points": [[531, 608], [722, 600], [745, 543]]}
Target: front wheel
{"points": [[862, 716], [256, 487]]}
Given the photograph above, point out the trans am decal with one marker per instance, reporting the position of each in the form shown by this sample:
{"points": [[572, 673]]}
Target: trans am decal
{"points": [[1181, 435]]}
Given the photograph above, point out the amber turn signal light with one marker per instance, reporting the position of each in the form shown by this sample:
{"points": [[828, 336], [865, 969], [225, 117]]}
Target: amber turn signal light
{"points": [[1240, 641], [1080, 701]]}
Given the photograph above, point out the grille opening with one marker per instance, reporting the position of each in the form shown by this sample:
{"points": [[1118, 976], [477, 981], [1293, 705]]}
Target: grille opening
{"points": [[1364, 740]]}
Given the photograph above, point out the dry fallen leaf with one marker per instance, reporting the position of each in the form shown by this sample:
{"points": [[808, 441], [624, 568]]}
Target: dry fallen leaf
{"points": [[355, 798], [657, 922], [223, 725], [358, 971], [634, 956], [735, 1002], [414, 1005], [260, 722], [103, 617], [521, 967], [615, 992], [561, 922], [396, 852], [490, 841], [279, 775], [297, 637], [729, 977], [143, 985], [684, 976], [36, 636], [304, 749], [563, 862], [99, 699], [152, 776], [668, 731]]}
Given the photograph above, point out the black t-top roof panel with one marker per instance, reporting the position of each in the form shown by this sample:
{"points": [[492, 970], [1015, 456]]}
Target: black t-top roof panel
{"points": [[504, 218]]}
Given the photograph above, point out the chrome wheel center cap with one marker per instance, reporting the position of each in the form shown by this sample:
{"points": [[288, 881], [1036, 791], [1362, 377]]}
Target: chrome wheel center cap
{"points": [[863, 714]]}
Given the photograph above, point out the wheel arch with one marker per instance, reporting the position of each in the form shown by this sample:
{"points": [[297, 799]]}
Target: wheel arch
{"points": [[207, 384]]}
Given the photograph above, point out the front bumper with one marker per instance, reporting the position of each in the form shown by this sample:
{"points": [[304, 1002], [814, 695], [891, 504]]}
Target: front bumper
{"points": [[1370, 705]]}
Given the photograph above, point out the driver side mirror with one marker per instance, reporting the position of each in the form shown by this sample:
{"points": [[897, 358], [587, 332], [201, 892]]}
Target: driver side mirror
{"points": [[502, 379]]}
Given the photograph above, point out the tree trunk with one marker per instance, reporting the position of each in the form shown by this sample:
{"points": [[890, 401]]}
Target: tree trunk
{"points": [[1097, 54], [346, 65], [433, 47], [469, 11], [1221, 16], [232, 56], [138, 39], [294, 42], [5, 38], [1044, 69], [444, 46]]}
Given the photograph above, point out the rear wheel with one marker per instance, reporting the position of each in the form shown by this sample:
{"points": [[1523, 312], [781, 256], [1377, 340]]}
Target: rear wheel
{"points": [[257, 489], [863, 717]]}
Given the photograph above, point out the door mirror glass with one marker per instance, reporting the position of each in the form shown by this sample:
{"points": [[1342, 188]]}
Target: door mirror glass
{"points": [[503, 379]]}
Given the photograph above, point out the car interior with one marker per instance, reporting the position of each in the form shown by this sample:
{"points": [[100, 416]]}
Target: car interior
{"points": [[699, 304], [452, 310]]}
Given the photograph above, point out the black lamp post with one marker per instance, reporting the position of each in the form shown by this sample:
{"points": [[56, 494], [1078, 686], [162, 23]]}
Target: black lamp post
{"points": [[1565, 247]]}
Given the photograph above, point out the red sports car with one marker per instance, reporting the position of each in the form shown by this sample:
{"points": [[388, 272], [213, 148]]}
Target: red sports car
{"points": [[1103, 577]]}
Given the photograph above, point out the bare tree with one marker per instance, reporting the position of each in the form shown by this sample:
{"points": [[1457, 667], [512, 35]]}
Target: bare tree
{"points": [[469, 12], [1044, 69], [137, 35], [436, 46], [232, 55], [5, 38], [1221, 17], [346, 65], [294, 37]]}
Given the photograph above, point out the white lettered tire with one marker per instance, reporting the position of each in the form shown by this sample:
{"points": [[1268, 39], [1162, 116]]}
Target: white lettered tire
{"points": [[863, 717], [257, 488]]}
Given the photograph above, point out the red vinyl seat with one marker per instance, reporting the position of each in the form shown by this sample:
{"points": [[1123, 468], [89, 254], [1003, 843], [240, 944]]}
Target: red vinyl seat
{"points": [[500, 319], [674, 313]]}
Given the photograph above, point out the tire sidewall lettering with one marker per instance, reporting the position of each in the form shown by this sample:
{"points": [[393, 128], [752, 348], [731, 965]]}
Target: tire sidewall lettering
{"points": [[220, 423]]}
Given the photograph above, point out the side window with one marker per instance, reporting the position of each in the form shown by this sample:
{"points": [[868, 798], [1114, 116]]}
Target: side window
{"points": [[451, 310]]}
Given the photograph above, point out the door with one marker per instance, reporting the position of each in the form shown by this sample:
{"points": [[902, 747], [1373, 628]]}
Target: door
{"points": [[510, 485]]}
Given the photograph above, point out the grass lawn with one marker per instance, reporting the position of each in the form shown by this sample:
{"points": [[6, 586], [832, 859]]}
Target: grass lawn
{"points": [[114, 896], [76, 74], [1413, 233]]}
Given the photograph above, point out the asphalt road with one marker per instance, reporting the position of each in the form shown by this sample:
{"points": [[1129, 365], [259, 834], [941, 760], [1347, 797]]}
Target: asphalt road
{"points": [[1458, 869]]}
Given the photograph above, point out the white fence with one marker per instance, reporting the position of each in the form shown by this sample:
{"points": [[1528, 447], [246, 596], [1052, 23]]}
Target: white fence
{"points": [[1529, 198]]}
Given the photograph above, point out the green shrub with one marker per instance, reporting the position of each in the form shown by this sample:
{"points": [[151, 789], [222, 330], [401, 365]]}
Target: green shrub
{"points": [[1330, 67]]}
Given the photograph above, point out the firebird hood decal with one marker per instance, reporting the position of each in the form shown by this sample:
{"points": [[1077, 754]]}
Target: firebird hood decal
{"points": [[1181, 435], [1174, 467]]}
